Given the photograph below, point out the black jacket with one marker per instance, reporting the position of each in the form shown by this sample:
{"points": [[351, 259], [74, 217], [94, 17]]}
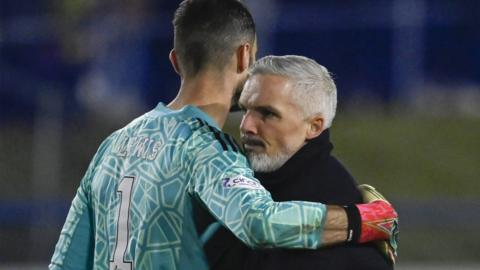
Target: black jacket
{"points": [[312, 174]]}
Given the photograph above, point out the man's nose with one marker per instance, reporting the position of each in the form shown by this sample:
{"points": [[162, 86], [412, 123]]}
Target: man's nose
{"points": [[248, 124]]}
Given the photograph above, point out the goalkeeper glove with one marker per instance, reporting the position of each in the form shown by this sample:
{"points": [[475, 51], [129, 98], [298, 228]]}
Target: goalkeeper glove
{"points": [[387, 248], [374, 220]]}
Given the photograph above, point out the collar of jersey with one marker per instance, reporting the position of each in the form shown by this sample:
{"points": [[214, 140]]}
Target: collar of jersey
{"points": [[191, 111]]}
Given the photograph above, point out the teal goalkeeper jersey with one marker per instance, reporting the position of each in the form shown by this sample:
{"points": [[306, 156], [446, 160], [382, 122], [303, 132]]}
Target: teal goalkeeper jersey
{"points": [[133, 209]]}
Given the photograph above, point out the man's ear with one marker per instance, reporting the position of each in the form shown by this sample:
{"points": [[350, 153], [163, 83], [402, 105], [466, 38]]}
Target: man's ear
{"points": [[173, 59], [243, 57], [316, 127]]}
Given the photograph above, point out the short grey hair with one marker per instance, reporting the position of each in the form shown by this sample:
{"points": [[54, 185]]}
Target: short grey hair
{"points": [[315, 91]]}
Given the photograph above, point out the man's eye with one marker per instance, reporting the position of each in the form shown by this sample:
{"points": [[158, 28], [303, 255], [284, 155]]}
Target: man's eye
{"points": [[267, 113]]}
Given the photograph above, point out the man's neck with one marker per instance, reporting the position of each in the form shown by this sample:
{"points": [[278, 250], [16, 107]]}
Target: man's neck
{"points": [[209, 92]]}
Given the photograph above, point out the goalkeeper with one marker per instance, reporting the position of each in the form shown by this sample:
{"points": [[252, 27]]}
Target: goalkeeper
{"points": [[133, 209]]}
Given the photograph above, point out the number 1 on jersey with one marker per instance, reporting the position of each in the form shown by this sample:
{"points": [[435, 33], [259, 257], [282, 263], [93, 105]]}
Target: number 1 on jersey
{"points": [[125, 190]]}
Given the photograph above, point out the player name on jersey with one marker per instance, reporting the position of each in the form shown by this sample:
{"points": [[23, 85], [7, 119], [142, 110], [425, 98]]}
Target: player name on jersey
{"points": [[138, 146]]}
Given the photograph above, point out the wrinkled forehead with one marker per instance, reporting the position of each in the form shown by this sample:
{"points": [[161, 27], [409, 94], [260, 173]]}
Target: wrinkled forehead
{"points": [[266, 87], [251, 90]]}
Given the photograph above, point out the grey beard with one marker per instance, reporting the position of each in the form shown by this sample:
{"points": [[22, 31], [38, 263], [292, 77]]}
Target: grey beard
{"points": [[261, 162]]}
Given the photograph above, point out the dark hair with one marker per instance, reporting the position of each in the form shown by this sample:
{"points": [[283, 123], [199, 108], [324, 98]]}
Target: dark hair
{"points": [[207, 32]]}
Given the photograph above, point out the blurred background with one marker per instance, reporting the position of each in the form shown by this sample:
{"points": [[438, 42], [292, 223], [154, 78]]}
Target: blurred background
{"points": [[408, 122]]}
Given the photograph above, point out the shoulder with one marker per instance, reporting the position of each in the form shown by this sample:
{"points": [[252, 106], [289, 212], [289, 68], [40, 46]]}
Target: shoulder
{"points": [[335, 166], [206, 134], [336, 184]]}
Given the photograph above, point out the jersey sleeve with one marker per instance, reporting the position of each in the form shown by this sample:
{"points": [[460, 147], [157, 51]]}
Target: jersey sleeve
{"points": [[75, 249], [224, 183]]}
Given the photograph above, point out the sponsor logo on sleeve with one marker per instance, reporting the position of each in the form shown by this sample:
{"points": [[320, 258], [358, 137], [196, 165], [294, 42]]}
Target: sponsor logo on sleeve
{"points": [[240, 182]]}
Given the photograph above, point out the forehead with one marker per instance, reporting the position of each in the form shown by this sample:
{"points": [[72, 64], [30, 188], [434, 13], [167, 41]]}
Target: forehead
{"points": [[266, 88]]}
